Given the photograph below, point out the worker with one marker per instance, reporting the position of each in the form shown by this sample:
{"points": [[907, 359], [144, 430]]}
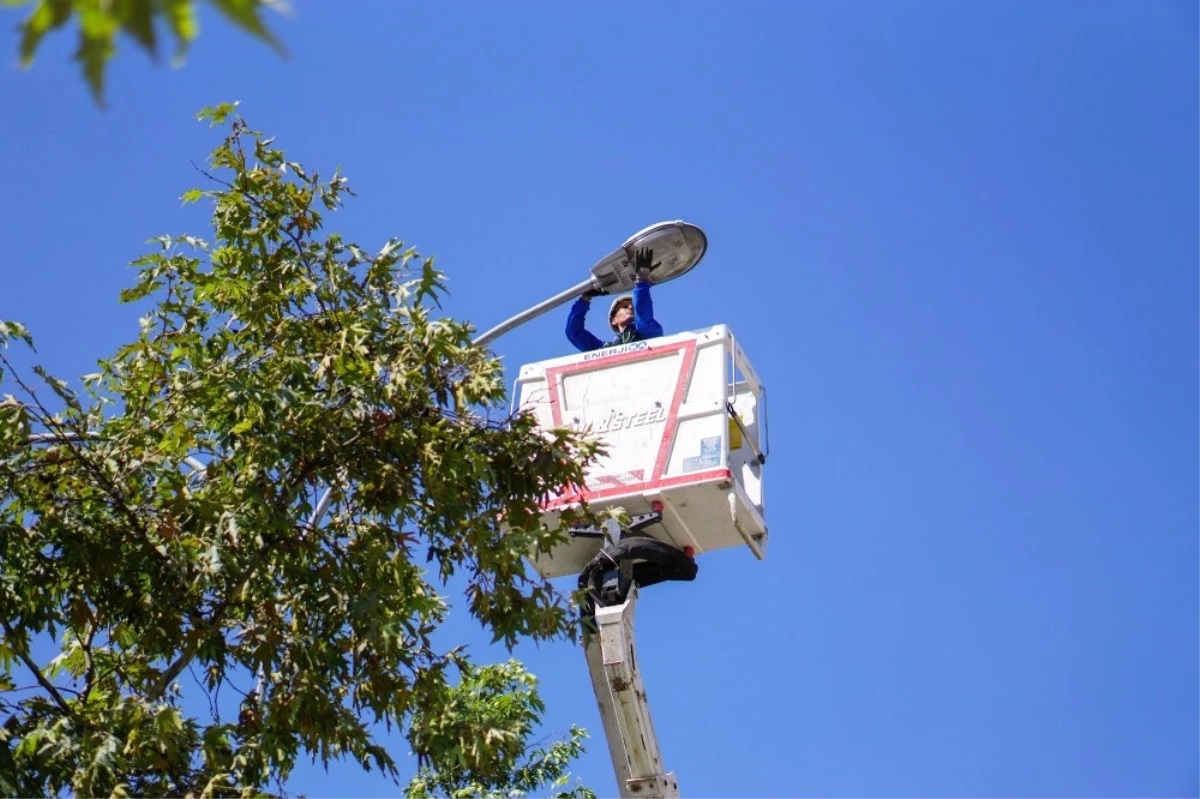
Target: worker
{"points": [[631, 317]]}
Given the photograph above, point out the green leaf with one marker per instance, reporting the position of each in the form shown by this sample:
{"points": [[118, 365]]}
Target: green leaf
{"points": [[244, 13], [100, 21], [181, 17], [93, 54], [10, 329], [217, 114], [47, 15], [138, 20]]}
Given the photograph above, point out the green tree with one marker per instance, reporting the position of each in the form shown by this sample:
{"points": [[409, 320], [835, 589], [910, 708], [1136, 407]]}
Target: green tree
{"points": [[100, 22], [475, 740], [168, 526]]}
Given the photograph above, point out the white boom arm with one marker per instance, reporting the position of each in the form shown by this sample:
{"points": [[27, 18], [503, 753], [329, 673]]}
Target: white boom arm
{"points": [[624, 710]]}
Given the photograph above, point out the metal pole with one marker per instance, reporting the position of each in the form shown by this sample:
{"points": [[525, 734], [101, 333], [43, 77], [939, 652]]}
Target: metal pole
{"points": [[535, 311]]}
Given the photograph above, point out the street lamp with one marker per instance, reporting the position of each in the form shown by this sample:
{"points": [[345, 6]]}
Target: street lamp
{"points": [[677, 246]]}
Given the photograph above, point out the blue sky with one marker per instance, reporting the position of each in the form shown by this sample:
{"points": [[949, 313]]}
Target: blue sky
{"points": [[957, 240]]}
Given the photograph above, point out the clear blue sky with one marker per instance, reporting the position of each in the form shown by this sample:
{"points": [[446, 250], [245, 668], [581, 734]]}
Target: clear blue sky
{"points": [[958, 242]]}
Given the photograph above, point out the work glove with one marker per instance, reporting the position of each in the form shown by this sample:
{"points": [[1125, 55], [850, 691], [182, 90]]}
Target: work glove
{"points": [[643, 263]]}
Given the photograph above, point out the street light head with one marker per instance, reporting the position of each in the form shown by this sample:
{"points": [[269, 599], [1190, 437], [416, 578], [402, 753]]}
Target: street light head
{"points": [[677, 246]]}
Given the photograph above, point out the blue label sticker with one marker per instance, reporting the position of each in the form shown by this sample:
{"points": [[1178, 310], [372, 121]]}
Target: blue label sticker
{"points": [[691, 464], [710, 451]]}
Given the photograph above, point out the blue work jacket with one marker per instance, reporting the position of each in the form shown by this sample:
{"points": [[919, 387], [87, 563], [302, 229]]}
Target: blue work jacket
{"points": [[644, 325]]}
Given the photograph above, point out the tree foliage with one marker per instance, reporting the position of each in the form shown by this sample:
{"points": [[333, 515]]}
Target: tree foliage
{"points": [[165, 537], [100, 22], [474, 742]]}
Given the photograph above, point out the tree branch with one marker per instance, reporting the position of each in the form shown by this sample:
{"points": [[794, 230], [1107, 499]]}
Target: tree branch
{"points": [[90, 677], [214, 620], [108, 486], [48, 686]]}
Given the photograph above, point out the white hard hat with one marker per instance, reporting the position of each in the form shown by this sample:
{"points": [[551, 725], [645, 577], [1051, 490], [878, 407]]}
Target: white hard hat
{"points": [[612, 309]]}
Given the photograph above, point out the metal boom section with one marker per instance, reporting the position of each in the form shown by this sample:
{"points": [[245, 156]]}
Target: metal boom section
{"points": [[624, 710]]}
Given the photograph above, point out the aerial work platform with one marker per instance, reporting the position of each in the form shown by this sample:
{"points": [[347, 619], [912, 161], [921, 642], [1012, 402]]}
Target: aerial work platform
{"points": [[683, 421]]}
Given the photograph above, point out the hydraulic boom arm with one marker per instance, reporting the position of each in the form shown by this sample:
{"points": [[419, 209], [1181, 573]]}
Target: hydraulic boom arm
{"points": [[624, 711], [612, 578]]}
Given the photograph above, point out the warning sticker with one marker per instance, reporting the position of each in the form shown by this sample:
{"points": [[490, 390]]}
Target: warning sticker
{"points": [[710, 455]]}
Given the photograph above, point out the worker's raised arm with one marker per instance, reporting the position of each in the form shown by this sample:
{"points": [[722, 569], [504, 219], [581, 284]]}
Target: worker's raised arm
{"points": [[577, 334], [643, 311]]}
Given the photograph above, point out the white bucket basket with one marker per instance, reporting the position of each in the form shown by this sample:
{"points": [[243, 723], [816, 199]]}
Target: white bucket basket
{"points": [[683, 419]]}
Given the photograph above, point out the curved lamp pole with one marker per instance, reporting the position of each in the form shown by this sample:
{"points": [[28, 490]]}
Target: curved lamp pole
{"points": [[678, 246]]}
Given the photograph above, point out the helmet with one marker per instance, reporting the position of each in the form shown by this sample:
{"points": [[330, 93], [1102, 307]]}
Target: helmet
{"points": [[612, 309]]}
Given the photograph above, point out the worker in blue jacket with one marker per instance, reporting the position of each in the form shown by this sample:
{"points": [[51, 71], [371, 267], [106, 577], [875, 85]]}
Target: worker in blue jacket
{"points": [[630, 317]]}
